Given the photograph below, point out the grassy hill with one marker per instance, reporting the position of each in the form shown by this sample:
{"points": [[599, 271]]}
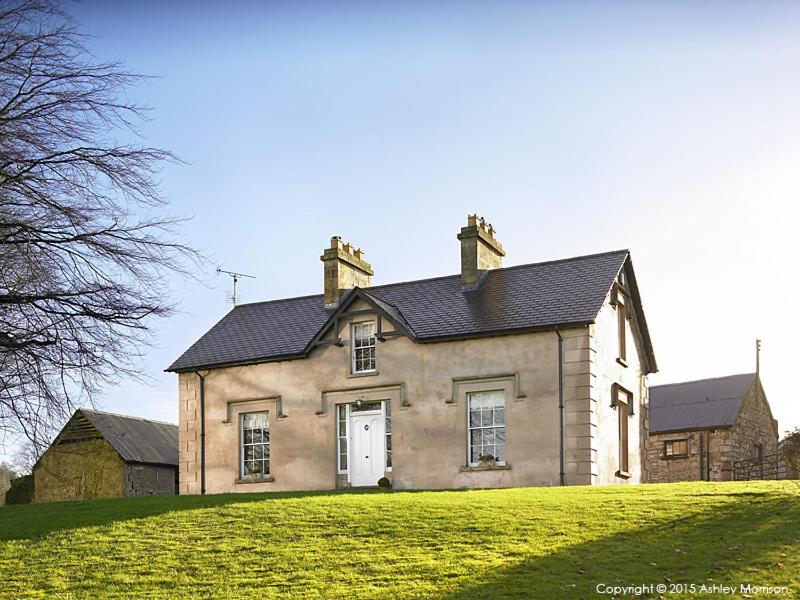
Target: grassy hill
{"points": [[541, 542]]}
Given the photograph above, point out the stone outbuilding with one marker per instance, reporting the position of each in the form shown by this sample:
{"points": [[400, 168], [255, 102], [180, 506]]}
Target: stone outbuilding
{"points": [[716, 429], [105, 455]]}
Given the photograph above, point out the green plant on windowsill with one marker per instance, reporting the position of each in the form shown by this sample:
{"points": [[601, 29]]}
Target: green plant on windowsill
{"points": [[487, 460], [255, 472]]}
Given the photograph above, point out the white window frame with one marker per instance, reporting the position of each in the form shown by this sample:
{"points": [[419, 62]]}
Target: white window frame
{"points": [[387, 435], [343, 470], [502, 392], [353, 348], [268, 444]]}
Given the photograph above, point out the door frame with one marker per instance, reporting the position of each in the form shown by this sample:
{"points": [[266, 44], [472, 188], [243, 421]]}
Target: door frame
{"points": [[349, 430]]}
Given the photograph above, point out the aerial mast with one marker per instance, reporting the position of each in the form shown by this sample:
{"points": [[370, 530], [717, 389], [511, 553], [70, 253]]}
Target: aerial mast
{"points": [[235, 276]]}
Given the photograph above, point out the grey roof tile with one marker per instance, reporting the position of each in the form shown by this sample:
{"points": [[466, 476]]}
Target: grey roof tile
{"points": [[702, 404], [135, 439], [525, 297]]}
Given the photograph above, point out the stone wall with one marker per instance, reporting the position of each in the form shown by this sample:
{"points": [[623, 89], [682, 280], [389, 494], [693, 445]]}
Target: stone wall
{"points": [[723, 446], [188, 434], [694, 467], [149, 480], [78, 471], [754, 425]]}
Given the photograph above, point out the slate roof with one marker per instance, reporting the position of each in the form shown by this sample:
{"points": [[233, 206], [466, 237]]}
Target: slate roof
{"points": [[137, 440], [703, 404], [513, 299]]}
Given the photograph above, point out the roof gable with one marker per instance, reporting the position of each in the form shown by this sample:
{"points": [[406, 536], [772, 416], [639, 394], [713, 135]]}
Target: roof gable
{"points": [[538, 296], [703, 404]]}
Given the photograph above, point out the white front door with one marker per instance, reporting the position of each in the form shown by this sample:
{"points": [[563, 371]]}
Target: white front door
{"points": [[367, 450]]}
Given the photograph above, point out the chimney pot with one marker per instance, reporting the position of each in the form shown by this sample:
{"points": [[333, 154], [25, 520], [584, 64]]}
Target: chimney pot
{"points": [[344, 268], [480, 251]]}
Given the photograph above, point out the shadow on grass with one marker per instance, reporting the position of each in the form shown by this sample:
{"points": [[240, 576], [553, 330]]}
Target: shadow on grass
{"points": [[30, 521], [753, 541]]}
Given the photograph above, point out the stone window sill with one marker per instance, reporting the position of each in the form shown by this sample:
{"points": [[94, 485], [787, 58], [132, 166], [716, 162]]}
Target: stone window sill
{"points": [[364, 374], [623, 474], [675, 457], [255, 480], [468, 469]]}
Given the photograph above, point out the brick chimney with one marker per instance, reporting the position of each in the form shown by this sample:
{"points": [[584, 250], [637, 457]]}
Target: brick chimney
{"points": [[480, 251], [345, 268]]}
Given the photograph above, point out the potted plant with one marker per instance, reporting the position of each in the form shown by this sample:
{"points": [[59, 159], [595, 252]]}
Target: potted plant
{"points": [[486, 460]]}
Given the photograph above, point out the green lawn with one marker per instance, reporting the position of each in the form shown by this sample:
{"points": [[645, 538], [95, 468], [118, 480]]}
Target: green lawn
{"points": [[540, 542]]}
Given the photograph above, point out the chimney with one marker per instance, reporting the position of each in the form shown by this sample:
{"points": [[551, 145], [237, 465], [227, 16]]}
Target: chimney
{"points": [[345, 268], [480, 251]]}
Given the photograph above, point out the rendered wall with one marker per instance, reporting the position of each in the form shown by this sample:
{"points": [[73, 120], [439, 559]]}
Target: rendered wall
{"points": [[605, 371], [429, 414]]}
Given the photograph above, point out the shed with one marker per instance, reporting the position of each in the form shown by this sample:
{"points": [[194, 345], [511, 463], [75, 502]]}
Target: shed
{"points": [[106, 455]]}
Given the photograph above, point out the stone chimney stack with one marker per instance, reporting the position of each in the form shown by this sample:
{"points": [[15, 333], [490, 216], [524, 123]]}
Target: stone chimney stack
{"points": [[480, 251], [345, 268]]}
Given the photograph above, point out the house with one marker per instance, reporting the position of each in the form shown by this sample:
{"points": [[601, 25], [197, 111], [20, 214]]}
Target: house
{"points": [[104, 455], [711, 430], [523, 376]]}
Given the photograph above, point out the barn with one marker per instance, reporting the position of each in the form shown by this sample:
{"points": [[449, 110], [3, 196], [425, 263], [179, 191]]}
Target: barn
{"points": [[105, 455]]}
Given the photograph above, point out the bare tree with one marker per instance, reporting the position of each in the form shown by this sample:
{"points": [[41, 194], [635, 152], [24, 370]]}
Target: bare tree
{"points": [[86, 250], [6, 475]]}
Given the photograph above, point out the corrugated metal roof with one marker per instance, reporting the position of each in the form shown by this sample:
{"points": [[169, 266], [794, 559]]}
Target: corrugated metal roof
{"points": [[702, 404], [525, 297], [135, 439]]}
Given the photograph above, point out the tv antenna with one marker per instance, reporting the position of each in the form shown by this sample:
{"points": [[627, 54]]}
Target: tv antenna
{"points": [[235, 276]]}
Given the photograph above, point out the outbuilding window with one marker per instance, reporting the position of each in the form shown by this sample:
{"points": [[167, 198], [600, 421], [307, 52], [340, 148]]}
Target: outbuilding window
{"points": [[487, 428], [255, 445], [363, 347], [676, 448]]}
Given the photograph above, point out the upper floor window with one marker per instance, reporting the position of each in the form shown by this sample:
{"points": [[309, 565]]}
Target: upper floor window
{"points": [[363, 347], [254, 438], [622, 319], [487, 428]]}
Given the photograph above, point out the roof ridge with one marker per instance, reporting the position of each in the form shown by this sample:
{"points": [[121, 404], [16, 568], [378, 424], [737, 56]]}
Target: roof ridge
{"points": [[436, 277], [113, 414], [652, 387], [276, 300], [533, 264]]}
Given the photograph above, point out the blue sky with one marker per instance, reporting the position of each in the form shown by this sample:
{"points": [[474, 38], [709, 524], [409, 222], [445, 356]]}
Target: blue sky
{"points": [[671, 129]]}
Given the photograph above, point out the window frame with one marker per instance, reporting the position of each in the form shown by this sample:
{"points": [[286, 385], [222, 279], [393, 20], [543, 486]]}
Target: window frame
{"points": [[623, 427], [263, 475], [354, 348], [758, 451], [343, 470], [621, 306], [504, 427], [668, 456]]}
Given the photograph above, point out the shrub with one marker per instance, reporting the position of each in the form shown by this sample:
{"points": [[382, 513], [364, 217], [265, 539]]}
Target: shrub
{"points": [[384, 483], [21, 490]]}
